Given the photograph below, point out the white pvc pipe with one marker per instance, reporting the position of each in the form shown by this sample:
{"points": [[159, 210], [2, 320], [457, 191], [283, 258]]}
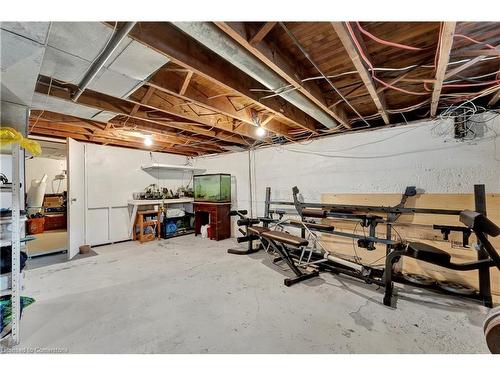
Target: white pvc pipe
{"points": [[355, 266]]}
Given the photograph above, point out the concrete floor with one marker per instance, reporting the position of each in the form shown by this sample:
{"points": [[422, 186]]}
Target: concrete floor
{"points": [[186, 295]]}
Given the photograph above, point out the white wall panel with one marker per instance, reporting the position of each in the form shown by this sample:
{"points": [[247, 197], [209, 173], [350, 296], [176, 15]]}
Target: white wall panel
{"points": [[97, 226], [422, 154], [118, 223], [113, 174]]}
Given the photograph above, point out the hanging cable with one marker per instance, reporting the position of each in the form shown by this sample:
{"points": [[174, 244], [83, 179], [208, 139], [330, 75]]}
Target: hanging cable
{"points": [[473, 40], [306, 54], [370, 65], [386, 42]]}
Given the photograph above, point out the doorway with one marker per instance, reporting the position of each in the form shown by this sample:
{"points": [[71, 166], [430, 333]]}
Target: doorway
{"points": [[46, 198]]}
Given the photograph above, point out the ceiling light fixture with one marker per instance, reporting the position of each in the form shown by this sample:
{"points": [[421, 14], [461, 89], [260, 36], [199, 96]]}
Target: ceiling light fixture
{"points": [[148, 140], [261, 131]]}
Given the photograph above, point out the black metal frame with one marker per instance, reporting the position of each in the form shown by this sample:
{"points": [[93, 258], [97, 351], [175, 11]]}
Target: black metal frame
{"points": [[395, 251], [284, 254], [246, 222]]}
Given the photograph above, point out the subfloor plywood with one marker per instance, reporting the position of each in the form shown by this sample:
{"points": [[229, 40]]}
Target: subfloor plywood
{"points": [[187, 295]]}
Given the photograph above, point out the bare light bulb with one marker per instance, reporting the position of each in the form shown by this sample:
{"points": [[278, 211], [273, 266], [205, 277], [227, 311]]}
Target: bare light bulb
{"points": [[148, 140], [260, 131]]}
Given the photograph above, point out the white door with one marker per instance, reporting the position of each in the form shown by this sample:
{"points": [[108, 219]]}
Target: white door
{"points": [[76, 197]]}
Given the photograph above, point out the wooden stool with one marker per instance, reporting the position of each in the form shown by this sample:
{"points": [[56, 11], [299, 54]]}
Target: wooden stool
{"points": [[139, 221]]}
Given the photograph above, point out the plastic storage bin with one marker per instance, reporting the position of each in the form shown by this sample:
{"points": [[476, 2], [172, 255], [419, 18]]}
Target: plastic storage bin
{"points": [[212, 188]]}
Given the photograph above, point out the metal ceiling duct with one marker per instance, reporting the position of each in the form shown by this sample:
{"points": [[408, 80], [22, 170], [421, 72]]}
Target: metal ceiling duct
{"points": [[215, 39], [103, 58]]}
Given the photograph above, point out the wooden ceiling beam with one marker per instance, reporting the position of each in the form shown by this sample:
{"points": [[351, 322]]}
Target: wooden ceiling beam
{"points": [[144, 100], [261, 33], [168, 81], [443, 58], [105, 102], [355, 56], [186, 82], [462, 67], [44, 124], [171, 104], [149, 113], [272, 57], [111, 141], [148, 99], [192, 55], [102, 136], [61, 118], [56, 120], [478, 52], [195, 143]]}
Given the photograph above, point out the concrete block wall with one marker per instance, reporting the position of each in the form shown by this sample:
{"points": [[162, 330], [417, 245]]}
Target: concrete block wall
{"points": [[424, 154]]}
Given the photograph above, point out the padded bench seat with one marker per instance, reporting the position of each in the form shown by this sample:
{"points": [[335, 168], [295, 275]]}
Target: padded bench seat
{"points": [[428, 253], [258, 230], [285, 238], [317, 226]]}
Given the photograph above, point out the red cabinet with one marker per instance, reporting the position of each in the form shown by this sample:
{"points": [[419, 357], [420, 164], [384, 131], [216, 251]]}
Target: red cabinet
{"points": [[215, 214]]}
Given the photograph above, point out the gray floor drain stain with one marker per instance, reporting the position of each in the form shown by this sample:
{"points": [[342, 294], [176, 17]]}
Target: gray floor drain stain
{"points": [[360, 320]]}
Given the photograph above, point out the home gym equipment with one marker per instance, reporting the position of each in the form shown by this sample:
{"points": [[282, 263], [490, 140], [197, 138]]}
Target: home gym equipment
{"points": [[249, 237], [279, 241], [480, 225], [306, 252]]}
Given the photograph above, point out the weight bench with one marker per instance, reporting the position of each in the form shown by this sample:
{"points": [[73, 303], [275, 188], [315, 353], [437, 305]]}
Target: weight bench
{"points": [[279, 242], [481, 226]]}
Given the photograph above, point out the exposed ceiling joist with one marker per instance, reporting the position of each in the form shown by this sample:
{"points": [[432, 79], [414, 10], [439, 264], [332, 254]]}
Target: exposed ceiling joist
{"points": [[168, 81], [271, 56], [149, 113], [186, 82], [462, 67], [171, 104], [144, 100], [112, 141], [363, 72], [56, 119], [261, 33], [480, 52], [444, 49], [191, 55]]}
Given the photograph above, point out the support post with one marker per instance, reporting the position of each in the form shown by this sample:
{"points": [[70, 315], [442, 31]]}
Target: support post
{"points": [[16, 246], [483, 272], [267, 205]]}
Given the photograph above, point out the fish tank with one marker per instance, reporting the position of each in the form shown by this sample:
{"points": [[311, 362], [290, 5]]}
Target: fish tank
{"points": [[212, 187]]}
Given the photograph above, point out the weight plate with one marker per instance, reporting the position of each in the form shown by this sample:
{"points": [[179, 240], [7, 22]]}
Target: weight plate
{"points": [[456, 288], [492, 335], [492, 314], [419, 279]]}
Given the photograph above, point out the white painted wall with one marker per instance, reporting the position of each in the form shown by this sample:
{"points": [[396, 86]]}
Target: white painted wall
{"points": [[38, 166], [423, 154], [15, 116], [6, 169], [112, 175]]}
